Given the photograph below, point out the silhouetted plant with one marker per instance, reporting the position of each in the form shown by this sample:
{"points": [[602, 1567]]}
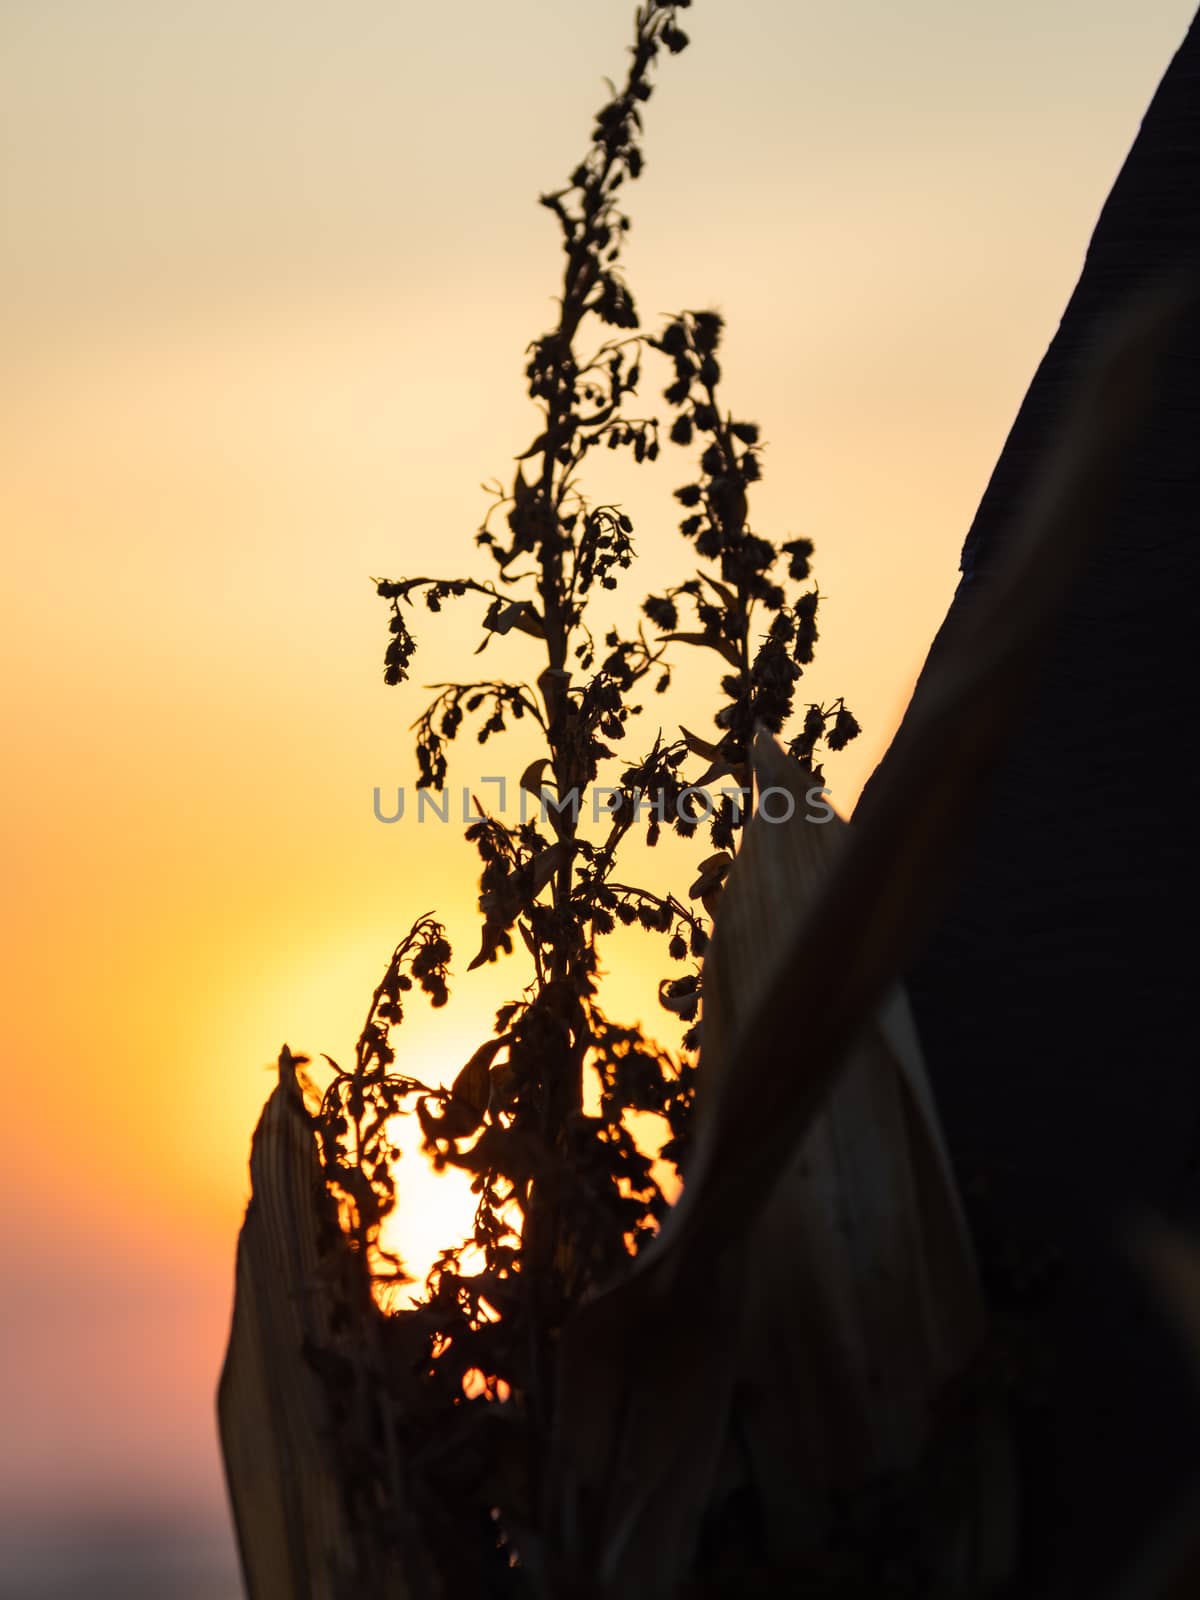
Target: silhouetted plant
{"points": [[565, 1193], [798, 1389]]}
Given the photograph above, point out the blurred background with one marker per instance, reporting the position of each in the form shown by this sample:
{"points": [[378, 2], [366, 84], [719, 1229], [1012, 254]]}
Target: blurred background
{"points": [[267, 279]]}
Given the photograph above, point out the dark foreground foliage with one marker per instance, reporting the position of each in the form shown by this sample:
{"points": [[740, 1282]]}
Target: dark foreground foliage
{"points": [[737, 1394], [566, 1195]]}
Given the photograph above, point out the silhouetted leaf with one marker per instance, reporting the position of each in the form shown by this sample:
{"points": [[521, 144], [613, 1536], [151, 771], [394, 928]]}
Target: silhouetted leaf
{"points": [[276, 1407]]}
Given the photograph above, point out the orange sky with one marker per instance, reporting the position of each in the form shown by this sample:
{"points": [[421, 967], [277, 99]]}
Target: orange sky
{"points": [[268, 277]]}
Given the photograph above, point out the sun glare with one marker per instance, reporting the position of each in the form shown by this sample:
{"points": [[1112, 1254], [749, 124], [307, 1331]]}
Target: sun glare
{"points": [[434, 1210]]}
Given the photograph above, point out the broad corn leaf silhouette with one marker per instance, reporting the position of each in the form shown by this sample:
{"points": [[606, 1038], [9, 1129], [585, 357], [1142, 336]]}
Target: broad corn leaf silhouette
{"points": [[800, 997], [276, 1407]]}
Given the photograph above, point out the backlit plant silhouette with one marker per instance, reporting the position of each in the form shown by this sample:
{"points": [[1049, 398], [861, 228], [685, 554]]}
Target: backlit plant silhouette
{"points": [[546, 1113], [789, 1380]]}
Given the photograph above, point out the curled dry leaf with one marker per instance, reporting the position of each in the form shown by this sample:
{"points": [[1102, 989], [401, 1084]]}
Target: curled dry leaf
{"points": [[473, 1083], [712, 874], [859, 1298], [824, 1339], [279, 1420], [531, 778]]}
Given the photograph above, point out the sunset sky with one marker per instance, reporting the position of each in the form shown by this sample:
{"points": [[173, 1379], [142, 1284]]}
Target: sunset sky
{"points": [[268, 275]]}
